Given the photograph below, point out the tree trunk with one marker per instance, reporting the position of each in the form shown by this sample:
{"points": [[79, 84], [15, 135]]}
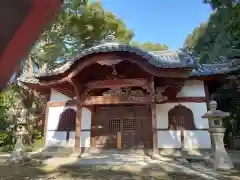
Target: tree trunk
{"points": [[30, 65]]}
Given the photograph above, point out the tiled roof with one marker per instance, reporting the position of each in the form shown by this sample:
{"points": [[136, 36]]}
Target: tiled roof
{"points": [[164, 59], [202, 70], [214, 69]]}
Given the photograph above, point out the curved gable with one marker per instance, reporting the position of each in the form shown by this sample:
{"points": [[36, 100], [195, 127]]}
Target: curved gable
{"points": [[164, 59]]}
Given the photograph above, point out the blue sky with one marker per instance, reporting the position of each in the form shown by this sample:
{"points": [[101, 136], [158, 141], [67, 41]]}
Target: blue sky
{"points": [[166, 22]]}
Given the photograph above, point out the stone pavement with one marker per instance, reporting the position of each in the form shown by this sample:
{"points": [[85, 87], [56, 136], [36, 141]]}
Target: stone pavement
{"points": [[134, 162]]}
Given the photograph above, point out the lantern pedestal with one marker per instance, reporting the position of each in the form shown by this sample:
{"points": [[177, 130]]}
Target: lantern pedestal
{"points": [[221, 157], [19, 155]]}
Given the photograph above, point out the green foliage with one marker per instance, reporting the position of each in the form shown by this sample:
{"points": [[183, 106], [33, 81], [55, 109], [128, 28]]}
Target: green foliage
{"points": [[221, 3], [36, 135], [219, 37], [77, 27], [228, 98], [3, 138], [7, 99], [95, 23], [150, 46]]}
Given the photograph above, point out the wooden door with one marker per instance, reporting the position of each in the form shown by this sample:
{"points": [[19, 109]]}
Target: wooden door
{"points": [[105, 125], [122, 127], [129, 127]]}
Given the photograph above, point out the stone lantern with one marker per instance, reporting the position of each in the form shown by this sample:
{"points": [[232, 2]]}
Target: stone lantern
{"points": [[216, 130], [19, 154]]}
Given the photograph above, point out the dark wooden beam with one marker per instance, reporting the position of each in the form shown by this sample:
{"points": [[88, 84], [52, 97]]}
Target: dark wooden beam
{"points": [[185, 99], [207, 95], [154, 115], [65, 91], [109, 100], [118, 83], [62, 103], [79, 92], [97, 100], [78, 127]]}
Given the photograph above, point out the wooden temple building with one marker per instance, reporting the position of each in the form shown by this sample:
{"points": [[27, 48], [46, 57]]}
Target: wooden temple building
{"points": [[115, 96]]}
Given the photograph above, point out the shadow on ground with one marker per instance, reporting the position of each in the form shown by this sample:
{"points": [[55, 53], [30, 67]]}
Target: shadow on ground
{"points": [[100, 172], [126, 170]]}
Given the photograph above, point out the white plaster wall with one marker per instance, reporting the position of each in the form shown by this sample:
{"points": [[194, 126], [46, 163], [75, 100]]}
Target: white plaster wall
{"points": [[169, 139], [56, 138], [57, 96], [197, 139], [86, 118], [85, 139], [85, 136], [193, 139], [198, 110], [53, 137], [192, 88], [71, 141]]}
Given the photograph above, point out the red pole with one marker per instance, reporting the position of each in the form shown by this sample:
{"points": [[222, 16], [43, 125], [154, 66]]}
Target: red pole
{"points": [[24, 38]]}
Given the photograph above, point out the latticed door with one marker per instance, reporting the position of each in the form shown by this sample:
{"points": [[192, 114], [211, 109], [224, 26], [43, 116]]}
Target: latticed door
{"points": [[105, 126], [122, 127], [129, 127]]}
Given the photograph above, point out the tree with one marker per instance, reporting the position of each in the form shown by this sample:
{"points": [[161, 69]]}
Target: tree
{"points": [[221, 3], [77, 27], [219, 37], [150, 46]]}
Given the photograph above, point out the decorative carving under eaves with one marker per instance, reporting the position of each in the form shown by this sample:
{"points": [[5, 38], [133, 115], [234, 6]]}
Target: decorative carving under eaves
{"points": [[109, 62], [159, 96], [114, 75], [168, 92], [172, 90]]}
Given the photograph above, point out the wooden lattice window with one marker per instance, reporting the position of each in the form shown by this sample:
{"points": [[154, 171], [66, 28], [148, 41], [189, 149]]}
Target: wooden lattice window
{"points": [[114, 125], [129, 124], [181, 117]]}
